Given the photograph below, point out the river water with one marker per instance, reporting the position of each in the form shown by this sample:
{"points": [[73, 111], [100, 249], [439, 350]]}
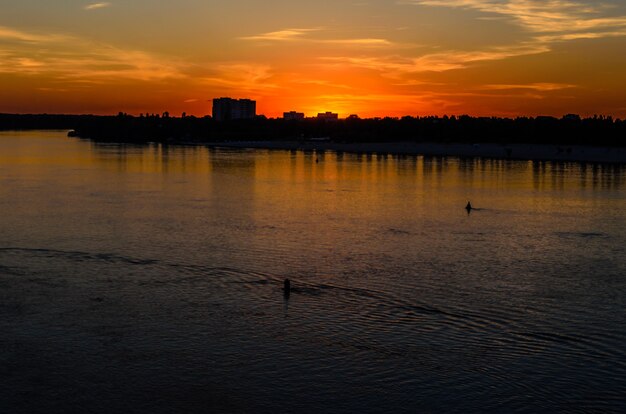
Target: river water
{"points": [[148, 279]]}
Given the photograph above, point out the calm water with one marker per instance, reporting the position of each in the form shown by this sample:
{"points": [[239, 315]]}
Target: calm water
{"points": [[148, 279]]}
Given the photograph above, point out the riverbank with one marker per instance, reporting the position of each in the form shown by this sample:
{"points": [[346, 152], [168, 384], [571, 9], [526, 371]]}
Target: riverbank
{"points": [[531, 152]]}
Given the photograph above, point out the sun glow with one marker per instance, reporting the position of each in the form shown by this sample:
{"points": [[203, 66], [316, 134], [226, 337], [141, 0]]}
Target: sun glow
{"points": [[420, 58]]}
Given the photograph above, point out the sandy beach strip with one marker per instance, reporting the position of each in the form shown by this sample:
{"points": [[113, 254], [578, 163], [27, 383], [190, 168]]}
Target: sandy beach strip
{"points": [[532, 152]]}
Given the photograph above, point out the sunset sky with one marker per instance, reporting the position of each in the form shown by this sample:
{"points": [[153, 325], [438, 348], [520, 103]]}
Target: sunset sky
{"points": [[370, 57]]}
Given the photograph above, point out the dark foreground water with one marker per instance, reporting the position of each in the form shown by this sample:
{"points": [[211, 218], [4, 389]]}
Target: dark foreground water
{"points": [[148, 279]]}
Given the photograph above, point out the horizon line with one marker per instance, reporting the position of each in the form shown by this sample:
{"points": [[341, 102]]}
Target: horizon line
{"points": [[261, 115]]}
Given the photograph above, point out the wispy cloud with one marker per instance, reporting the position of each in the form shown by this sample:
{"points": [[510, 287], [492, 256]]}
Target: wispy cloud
{"points": [[439, 62], [397, 66], [70, 58], [542, 16], [564, 37], [241, 76], [303, 35], [542, 86], [95, 6], [10, 34], [357, 42], [281, 35]]}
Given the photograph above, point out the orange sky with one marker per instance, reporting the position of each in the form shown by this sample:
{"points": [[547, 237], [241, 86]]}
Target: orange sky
{"points": [[373, 58]]}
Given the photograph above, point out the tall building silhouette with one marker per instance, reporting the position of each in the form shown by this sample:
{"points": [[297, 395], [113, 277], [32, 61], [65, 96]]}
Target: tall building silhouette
{"points": [[293, 115], [328, 116], [226, 109]]}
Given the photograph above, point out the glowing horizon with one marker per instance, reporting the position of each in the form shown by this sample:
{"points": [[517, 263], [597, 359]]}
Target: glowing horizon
{"points": [[371, 58]]}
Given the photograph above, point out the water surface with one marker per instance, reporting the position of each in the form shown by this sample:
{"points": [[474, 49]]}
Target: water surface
{"points": [[148, 279]]}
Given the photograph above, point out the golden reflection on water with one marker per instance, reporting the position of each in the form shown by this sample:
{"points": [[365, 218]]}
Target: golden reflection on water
{"points": [[39, 149]]}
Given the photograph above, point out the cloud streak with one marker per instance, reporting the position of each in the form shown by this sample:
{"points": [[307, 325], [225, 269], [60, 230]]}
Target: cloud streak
{"points": [[302, 35], [397, 67], [68, 58], [241, 76], [541, 87], [96, 6], [281, 35], [10, 34], [541, 16]]}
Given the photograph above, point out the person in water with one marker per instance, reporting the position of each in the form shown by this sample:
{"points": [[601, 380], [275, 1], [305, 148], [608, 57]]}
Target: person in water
{"points": [[468, 207], [286, 288]]}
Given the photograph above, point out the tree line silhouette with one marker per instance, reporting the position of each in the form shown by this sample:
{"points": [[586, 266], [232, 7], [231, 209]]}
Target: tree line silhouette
{"points": [[568, 130]]}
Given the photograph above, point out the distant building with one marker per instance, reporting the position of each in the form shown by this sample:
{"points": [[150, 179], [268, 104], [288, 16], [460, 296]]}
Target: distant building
{"points": [[353, 116], [328, 116], [293, 115], [571, 117], [226, 109]]}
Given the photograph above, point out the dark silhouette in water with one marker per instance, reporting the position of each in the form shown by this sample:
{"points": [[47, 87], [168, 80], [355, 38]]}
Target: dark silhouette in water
{"points": [[469, 207], [286, 288]]}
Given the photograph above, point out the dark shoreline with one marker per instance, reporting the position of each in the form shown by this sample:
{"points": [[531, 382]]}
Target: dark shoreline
{"points": [[570, 138], [568, 130]]}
